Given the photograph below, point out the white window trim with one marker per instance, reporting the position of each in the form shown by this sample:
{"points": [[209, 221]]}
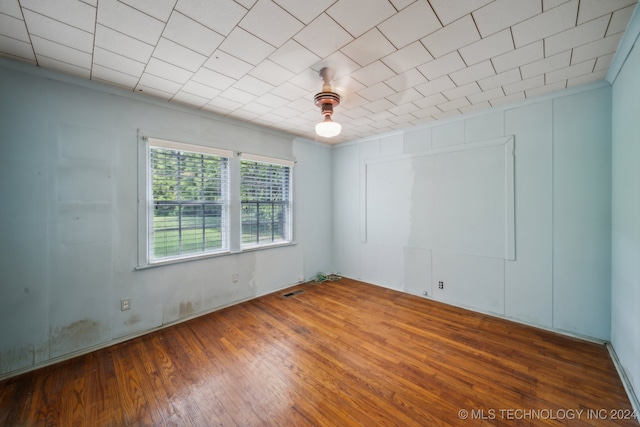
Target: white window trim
{"points": [[235, 226]]}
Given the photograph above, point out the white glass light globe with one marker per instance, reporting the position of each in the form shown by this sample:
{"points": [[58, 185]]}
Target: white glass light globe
{"points": [[328, 128]]}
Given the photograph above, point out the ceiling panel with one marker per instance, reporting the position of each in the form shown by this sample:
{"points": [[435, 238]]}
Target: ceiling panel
{"points": [[396, 63]]}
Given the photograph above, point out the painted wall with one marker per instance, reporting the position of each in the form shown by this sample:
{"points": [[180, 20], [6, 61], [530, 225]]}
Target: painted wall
{"points": [[68, 235], [559, 278], [625, 278]]}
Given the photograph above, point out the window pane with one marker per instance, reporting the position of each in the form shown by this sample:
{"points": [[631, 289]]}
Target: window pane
{"points": [[190, 203], [266, 201]]}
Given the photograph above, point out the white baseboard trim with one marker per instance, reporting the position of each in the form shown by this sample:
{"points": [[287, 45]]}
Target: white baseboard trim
{"points": [[122, 339], [625, 380]]}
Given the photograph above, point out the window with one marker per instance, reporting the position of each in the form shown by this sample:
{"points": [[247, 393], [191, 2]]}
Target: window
{"points": [[265, 194], [197, 201], [189, 195]]}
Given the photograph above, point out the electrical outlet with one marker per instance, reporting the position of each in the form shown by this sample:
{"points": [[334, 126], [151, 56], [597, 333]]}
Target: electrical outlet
{"points": [[425, 293], [234, 278], [440, 285], [125, 304]]}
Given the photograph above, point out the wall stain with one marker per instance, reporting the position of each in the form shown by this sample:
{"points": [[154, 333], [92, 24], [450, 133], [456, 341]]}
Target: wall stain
{"points": [[186, 309], [76, 335], [133, 320]]}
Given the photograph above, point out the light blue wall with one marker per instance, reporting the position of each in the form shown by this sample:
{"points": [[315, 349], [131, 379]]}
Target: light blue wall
{"points": [[625, 277], [68, 235], [560, 276]]}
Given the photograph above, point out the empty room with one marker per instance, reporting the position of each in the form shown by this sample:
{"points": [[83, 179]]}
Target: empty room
{"points": [[319, 213]]}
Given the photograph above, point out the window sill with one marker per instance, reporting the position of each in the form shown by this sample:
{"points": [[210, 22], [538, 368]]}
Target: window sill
{"points": [[212, 255]]}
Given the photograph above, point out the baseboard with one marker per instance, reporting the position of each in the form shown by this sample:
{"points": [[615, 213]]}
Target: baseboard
{"points": [[624, 378], [125, 338]]}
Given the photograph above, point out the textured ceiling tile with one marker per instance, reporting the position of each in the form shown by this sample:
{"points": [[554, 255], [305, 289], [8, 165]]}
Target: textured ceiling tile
{"points": [[408, 57], [294, 57], [590, 9], [159, 83], [546, 24], [238, 95], [122, 44], [377, 91], [222, 105], [168, 71], [159, 9], [271, 72], [410, 78], [494, 93], [500, 79], [454, 36], [551, 63], [11, 8], [509, 99], [442, 66], [220, 16], [17, 48], [72, 12], [271, 23], [487, 48], [411, 24], [98, 72], [473, 73], [305, 11], [246, 46], [212, 79], [404, 96], [60, 52], [587, 78], [464, 90], [576, 36], [289, 91], [346, 86], [56, 31], [127, 20], [178, 55], [189, 33], [64, 67], [189, 99], [373, 73], [524, 55], [594, 49], [502, 14], [550, 4], [228, 65], [323, 36], [448, 10], [200, 89], [252, 85], [523, 85], [379, 105], [358, 16], [620, 20], [433, 86], [431, 100], [271, 100], [543, 89], [15, 28], [121, 63], [603, 62], [369, 47], [454, 105], [339, 63], [568, 72]]}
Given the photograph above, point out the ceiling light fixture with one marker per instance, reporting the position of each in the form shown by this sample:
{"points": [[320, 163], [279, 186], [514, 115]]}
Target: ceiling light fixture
{"points": [[326, 100]]}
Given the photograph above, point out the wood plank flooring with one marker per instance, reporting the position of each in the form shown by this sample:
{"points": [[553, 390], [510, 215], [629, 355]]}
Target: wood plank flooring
{"points": [[340, 354]]}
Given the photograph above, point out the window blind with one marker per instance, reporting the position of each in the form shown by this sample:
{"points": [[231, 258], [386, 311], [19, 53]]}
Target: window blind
{"points": [[265, 192], [189, 198]]}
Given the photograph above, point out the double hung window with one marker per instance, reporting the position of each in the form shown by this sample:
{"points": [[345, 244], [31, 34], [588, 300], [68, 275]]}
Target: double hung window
{"points": [[265, 194], [202, 201]]}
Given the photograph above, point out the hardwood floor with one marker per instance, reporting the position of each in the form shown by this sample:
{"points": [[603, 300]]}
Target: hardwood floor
{"points": [[339, 354]]}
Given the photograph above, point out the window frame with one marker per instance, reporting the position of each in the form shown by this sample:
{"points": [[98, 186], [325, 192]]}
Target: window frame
{"points": [[234, 231], [287, 204]]}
